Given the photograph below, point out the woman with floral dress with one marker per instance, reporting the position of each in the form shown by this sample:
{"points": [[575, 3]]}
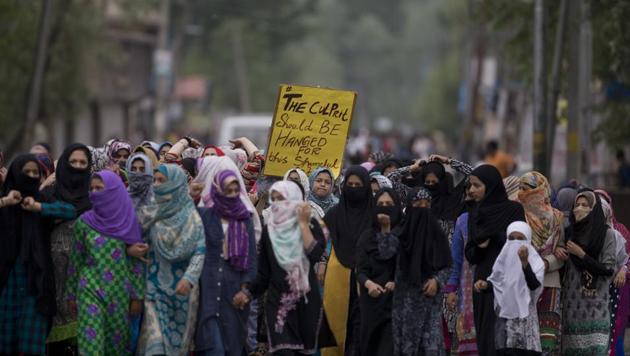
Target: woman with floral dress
{"points": [[102, 286]]}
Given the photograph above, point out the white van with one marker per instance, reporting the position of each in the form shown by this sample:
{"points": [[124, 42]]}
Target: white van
{"points": [[254, 127]]}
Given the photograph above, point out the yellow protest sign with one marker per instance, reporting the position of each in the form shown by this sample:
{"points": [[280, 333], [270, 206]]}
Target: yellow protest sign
{"points": [[310, 128]]}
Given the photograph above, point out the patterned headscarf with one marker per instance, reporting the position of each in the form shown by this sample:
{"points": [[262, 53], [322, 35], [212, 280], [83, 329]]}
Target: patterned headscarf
{"points": [[288, 246], [421, 194], [380, 156], [178, 230], [546, 222], [382, 181], [512, 186], [116, 146]]}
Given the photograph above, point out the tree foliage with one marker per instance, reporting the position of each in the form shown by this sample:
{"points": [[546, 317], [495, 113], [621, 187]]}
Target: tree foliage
{"points": [[78, 43], [512, 22], [389, 52]]}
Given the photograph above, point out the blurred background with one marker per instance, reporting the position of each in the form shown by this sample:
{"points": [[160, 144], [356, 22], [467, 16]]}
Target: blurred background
{"points": [[547, 80]]}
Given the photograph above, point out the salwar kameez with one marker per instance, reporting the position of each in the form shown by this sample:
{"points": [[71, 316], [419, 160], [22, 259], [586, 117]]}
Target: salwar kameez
{"points": [[169, 320], [586, 318], [102, 282], [417, 319], [461, 282], [65, 320]]}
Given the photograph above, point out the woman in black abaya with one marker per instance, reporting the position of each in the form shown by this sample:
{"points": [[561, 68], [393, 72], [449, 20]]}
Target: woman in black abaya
{"points": [[376, 269], [487, 226], [346, 222]]}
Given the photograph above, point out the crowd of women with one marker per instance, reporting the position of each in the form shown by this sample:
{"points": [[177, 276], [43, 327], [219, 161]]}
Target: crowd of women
{"points": [[173, 249]]}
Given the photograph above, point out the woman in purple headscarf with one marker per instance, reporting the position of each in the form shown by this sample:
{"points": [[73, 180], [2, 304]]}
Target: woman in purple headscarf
{"points": [[228, 270], [102, 285]]}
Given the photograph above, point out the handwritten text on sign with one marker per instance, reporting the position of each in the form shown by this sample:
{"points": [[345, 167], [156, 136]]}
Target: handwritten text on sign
{"points": [[310, 128]]}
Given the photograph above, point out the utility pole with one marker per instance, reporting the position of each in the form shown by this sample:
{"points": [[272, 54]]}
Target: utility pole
{"points": [[163, 70], [554, 89], [541, 150], [37, 82], [240, 68], [579, 83], [579, 92]]}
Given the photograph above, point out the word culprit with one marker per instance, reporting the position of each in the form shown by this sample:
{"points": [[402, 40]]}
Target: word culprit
{"points": [[316, 108]]}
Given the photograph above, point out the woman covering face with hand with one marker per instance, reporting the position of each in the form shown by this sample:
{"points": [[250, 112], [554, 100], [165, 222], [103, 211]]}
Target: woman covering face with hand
{"points": [[291, 244], [516, 279]]}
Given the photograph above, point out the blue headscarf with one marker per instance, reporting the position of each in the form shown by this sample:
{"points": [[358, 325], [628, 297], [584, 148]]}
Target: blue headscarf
{"points": [[178, 231]]}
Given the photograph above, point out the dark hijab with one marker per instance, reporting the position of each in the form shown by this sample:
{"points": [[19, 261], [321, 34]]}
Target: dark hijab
{"points": [[490, 218], [25, 235], [385, 248], [348, 219], [590, 234], [73, 185], [447, 201], [424, 247]]}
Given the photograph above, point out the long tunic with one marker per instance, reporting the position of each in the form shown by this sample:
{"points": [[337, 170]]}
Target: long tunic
{"points": [[102, 281], [301, 325], [170, 319], [219, 283], [64, 324], [586, 319], [417, 319], [461, 281], [376, 313]]}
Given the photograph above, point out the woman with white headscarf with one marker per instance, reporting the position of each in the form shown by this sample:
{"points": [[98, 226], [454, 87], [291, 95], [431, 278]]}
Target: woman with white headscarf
{"points": [[291, 244], [516, 279]]}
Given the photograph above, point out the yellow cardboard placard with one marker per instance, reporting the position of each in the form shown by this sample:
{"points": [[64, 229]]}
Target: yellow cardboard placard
{"points": [[310, 128]]}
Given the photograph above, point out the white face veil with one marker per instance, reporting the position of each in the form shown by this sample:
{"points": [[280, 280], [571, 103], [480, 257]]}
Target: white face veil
{"points": [[511, 294]]}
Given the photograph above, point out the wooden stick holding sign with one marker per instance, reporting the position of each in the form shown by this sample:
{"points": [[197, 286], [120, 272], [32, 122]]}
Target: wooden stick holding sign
{"points": [[310, 129]]}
